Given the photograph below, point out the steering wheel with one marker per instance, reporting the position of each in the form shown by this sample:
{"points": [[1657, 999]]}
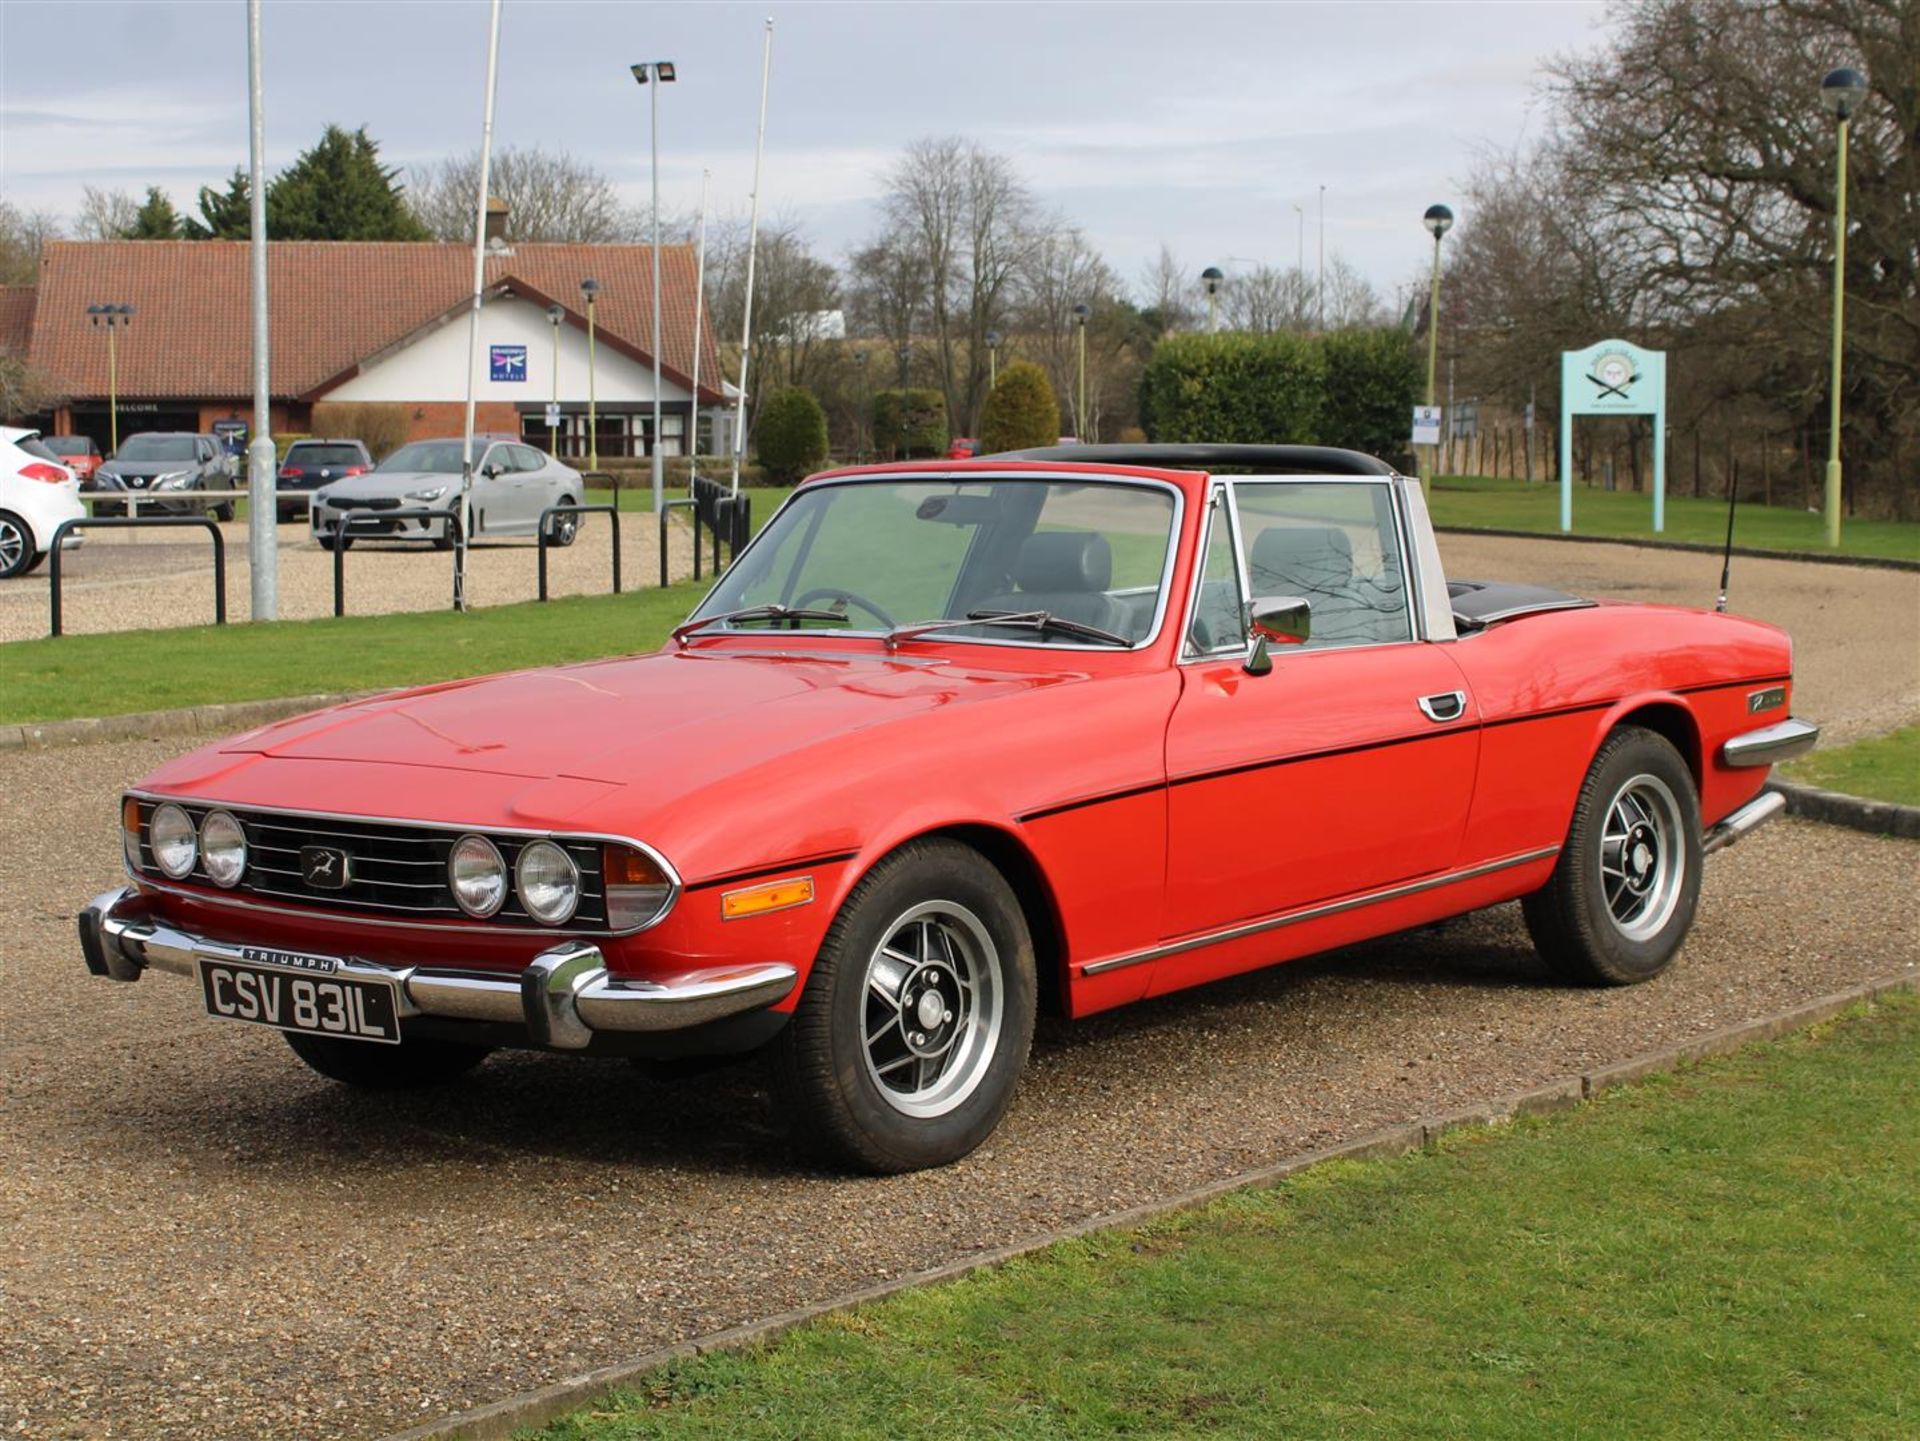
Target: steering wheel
{"points": [[827, 592]]}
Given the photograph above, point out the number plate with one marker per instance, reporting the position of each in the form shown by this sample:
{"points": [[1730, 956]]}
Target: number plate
{"points": [[301, 993]]}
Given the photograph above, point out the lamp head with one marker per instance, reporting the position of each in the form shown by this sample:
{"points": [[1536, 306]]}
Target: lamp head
{"points": [[1081, 312], [1212, 277], [1438, 219], [661, 70], [556, 313], [993, 340], [589, 288], [1843, 90]]}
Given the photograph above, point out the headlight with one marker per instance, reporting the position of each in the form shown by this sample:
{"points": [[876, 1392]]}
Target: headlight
{"points": [[433, 492], [548, 883], [321, 497], [477, 875], [639, 890], [172, 482], [223, 849], [175, 846]]}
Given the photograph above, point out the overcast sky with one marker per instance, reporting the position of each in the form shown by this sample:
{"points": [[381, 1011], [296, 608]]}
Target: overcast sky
{"points": [[1200, 125]]}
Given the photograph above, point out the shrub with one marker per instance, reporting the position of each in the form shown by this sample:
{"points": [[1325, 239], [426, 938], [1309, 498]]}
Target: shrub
{"points": [[909, 423], [791, 435], [1234, 389], [1373, 383], [1020, 412], [383, 429]]}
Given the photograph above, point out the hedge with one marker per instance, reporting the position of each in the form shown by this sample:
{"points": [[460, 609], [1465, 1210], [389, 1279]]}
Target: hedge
{"points": [[791, 435], [1020, 412], [1354, 389], [909, 423]]}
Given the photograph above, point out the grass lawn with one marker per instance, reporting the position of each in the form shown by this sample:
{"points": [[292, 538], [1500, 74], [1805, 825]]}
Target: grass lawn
{"points": [[1728, 1251], [1886, 768], [1483, 502], [91, 675]]}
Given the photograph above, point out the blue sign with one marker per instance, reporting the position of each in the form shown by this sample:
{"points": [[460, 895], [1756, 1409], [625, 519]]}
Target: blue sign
{"points": [[507, 362]]}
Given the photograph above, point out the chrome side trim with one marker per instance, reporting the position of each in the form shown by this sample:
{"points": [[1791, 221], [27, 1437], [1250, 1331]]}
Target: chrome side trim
{"points": [[1314, 913], [563, 997], [1770, 745], [1750, 817]]}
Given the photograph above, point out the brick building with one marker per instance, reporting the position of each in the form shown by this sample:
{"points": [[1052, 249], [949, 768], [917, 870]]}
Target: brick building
{"points": [[369, 323]]}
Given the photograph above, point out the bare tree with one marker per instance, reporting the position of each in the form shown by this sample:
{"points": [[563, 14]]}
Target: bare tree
{"points": [[1266, 299], [1166, 292], [21, 236], [105, 214], [548, 196], [888, 288]]}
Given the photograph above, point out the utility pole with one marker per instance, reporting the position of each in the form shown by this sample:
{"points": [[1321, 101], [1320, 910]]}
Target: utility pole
{"points": [[1322, 322]]}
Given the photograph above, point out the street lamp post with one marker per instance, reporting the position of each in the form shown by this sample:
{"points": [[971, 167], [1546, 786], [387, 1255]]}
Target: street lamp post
{"points": [[555, 314], [993, 358], [1321, 323], [860, 421], [1843, 90], [1439, 220], [660, 72], [1080, 314], [114, 317], [1213, 277], [591, 288]]}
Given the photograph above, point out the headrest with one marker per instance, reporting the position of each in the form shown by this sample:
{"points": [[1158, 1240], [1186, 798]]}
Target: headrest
{"points": [[1069, 560], [1301, 557]]}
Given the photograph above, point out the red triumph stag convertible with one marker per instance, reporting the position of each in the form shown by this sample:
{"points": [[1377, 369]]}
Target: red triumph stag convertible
{"points": [[948, 743]]}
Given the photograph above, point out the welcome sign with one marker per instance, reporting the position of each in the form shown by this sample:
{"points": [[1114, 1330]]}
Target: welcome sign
{"points": [[1613, 377]]}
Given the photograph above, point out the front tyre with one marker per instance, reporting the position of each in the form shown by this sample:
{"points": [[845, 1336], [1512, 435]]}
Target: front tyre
{"points": [[406, 1067], [1622, 897], [910, 1037]]}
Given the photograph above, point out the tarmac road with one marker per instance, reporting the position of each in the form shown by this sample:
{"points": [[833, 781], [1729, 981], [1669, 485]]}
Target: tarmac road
{"points": [[199, 1238]]}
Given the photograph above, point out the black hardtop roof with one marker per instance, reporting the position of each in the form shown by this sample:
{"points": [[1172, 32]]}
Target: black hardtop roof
{"points": [[1275, 459]]}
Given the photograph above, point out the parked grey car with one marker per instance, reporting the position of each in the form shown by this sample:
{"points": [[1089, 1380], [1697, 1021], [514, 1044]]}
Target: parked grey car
{"points": [[512, 484], [172, 464]]}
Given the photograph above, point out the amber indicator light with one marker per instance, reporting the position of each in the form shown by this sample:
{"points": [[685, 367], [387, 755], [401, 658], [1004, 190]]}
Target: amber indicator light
{"points": [[624, 866], [758, 900], [130, 815]]}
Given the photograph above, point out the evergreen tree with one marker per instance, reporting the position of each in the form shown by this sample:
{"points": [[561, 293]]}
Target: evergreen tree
{"points": [[338, 190], [224, 216], [156, 219], [1020, 412]]}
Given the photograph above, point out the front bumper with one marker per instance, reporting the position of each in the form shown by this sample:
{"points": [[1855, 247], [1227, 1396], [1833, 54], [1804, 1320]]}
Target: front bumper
{"points": [[564, 998]]}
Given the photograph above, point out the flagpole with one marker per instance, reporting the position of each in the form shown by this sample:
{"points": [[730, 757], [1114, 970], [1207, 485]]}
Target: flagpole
{"points": [[699, 312], [473, 318], [753, 241], [263, 531]]}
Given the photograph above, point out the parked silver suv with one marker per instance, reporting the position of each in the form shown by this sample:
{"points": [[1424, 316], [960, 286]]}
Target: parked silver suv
{"points": [[169, 464]]}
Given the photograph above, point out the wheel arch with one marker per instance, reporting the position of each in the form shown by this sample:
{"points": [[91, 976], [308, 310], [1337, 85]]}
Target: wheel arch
{"points": [[1666, 715]]}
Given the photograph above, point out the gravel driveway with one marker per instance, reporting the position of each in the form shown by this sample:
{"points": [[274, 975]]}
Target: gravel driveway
{"points": [[200, 1238]]}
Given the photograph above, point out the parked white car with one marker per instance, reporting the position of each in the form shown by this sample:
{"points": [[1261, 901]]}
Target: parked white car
{"points": [[512, 485], [37, 492]]}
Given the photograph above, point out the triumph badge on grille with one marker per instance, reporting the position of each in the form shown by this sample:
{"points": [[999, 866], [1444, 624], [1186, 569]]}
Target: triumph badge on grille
{"points": [[324, 868]]}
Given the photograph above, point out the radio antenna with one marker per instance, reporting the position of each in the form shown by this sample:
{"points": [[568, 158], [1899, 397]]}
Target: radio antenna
{"points": [[1726, 556]]}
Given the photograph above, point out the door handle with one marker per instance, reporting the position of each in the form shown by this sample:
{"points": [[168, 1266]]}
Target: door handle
{"points": [[1447, 705]]}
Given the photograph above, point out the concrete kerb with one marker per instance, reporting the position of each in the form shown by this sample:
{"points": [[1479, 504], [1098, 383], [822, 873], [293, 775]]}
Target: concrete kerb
{"points": [[1699, 546], [1834, 808], [207, 720], [501, 1419]]}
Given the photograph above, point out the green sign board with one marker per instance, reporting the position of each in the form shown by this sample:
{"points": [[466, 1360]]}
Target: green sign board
{"points": [[1613, 377]]}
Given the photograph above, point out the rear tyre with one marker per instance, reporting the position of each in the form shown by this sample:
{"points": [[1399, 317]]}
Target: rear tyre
{"points": [[405, 1067], [17, 555], [1622, 897], [910, 1037], [564, 527]]}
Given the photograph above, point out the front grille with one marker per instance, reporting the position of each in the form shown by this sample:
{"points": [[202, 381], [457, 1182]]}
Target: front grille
{"points": [[377, 503], [394, 870]]}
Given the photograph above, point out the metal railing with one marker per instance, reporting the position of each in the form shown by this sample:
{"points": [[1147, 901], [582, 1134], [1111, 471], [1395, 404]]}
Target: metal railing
{"points": [[548, 537], [728, 515], [134, 499], [667, 508], [134, 522], [373, 525]]}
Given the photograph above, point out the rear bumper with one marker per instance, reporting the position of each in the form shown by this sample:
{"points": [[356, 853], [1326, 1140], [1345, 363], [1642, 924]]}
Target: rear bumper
{"points": [[1783, 741], [564, 998], [1743, 822]]}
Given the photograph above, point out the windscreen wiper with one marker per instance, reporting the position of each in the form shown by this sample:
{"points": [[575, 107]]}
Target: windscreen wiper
{"points": [[1040, 620], [774, 612]]}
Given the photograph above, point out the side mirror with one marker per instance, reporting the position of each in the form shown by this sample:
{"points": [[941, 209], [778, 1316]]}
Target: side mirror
{"points": [[1275, 620], [490, 471]]}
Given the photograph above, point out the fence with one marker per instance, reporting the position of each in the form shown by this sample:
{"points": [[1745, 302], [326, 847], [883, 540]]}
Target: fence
{"points": [[378, 525], [550, 535], [134, 522]]}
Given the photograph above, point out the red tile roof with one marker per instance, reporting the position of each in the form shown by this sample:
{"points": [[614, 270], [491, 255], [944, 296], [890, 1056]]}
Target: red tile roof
{"points": [[332, 305], [16, 317]]}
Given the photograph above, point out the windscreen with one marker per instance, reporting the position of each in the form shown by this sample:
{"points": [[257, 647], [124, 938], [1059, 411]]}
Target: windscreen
{"points": [[898, 553], [142, 448], [439, 456]]}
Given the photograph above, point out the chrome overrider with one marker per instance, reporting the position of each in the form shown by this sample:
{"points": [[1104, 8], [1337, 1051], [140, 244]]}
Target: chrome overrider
{"points": [[1770, 745], [563, 997]]}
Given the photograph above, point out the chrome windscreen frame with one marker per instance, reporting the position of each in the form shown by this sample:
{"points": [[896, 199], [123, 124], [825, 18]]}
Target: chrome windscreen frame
{"points": [[235, 901], [1168, 565]]}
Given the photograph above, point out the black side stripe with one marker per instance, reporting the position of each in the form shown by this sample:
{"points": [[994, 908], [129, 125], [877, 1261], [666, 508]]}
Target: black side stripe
{"points": [[796, 865]]}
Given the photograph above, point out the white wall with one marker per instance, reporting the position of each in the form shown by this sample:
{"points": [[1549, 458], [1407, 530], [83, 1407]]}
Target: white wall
{"points": [[433, 366]]}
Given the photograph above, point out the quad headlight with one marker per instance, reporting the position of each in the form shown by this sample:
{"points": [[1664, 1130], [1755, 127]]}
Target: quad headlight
{"points": [[175, 844], [223, 849], [548, 882], [477, 876]]}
